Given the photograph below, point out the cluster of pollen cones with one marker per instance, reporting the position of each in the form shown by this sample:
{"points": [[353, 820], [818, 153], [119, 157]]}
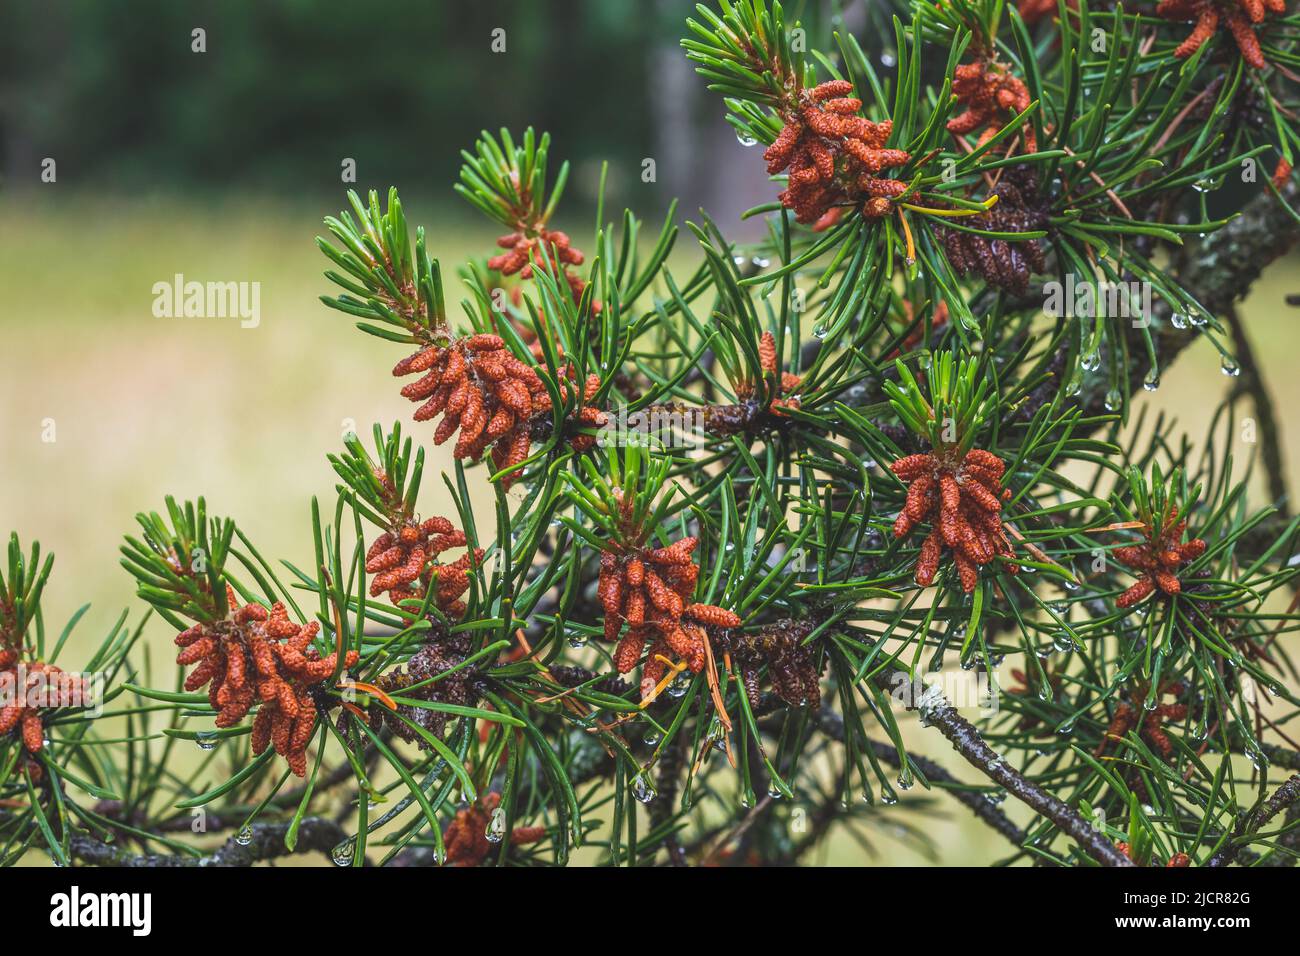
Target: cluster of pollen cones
{"points": [[549, 247], [489, 396], [466, 837], [403, 565], [1157, 561], [27, 688], [787, 383], [990, 95], [1238, 15], [963, 503], [833, 155], [650, 589], [1150, 723], [259, 656]]}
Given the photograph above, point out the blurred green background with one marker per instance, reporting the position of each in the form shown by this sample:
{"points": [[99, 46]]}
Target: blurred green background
{"points": [[220, 165]]}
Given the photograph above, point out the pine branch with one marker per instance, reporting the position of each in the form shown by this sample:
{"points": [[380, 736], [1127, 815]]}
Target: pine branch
{"points": [[939, 713], [1282, 799], [315, 835]]}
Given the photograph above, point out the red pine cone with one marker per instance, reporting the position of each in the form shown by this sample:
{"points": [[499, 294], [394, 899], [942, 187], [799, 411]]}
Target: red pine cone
{"points": [[786, 382], [1238, 15], [548, 248], [828, 150], [963, 505], [650, 589], [28, 688], [466, 836], [1031, 11], [485, 393], [402, 561], [1129, 715], [1157, 560], [1281, 172], [260, 656], [990, 95]]}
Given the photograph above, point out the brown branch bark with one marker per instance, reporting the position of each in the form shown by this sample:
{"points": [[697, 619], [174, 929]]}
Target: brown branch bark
{"points": [[939, 713], [266, 842], [1283, 798]]}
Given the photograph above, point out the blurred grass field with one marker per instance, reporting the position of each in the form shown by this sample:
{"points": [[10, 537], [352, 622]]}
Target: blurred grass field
{"points": [[143, 407]]}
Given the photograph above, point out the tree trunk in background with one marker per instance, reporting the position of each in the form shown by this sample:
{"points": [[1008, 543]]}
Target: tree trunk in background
{"points": [[698, 159]]}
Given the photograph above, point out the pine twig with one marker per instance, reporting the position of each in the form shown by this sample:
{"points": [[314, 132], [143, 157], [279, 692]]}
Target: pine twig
{"points": [[939, 713], [315, 835], [1283, 798]]}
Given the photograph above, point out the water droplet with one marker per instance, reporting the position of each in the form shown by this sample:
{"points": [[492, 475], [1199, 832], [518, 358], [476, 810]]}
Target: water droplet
{"points": [[496, 828], [1178, 320], [643, 789], [1075, 385], [1151, 381], [1091, 361], [245, 836], [578, 640], [889, 798], [1062, 641], [923, 360], [342, 855], [905, 780], [744, 139], [1230, 367], [206, 739], [761, 262], [1113, 400], [821, 332]]}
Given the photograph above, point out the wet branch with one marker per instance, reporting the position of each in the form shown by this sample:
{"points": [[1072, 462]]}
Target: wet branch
{"points": [[266, 842], [1283, 799]]}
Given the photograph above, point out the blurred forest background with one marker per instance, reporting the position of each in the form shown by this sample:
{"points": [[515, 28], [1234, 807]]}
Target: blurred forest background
{"points": [[219, 166]]}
